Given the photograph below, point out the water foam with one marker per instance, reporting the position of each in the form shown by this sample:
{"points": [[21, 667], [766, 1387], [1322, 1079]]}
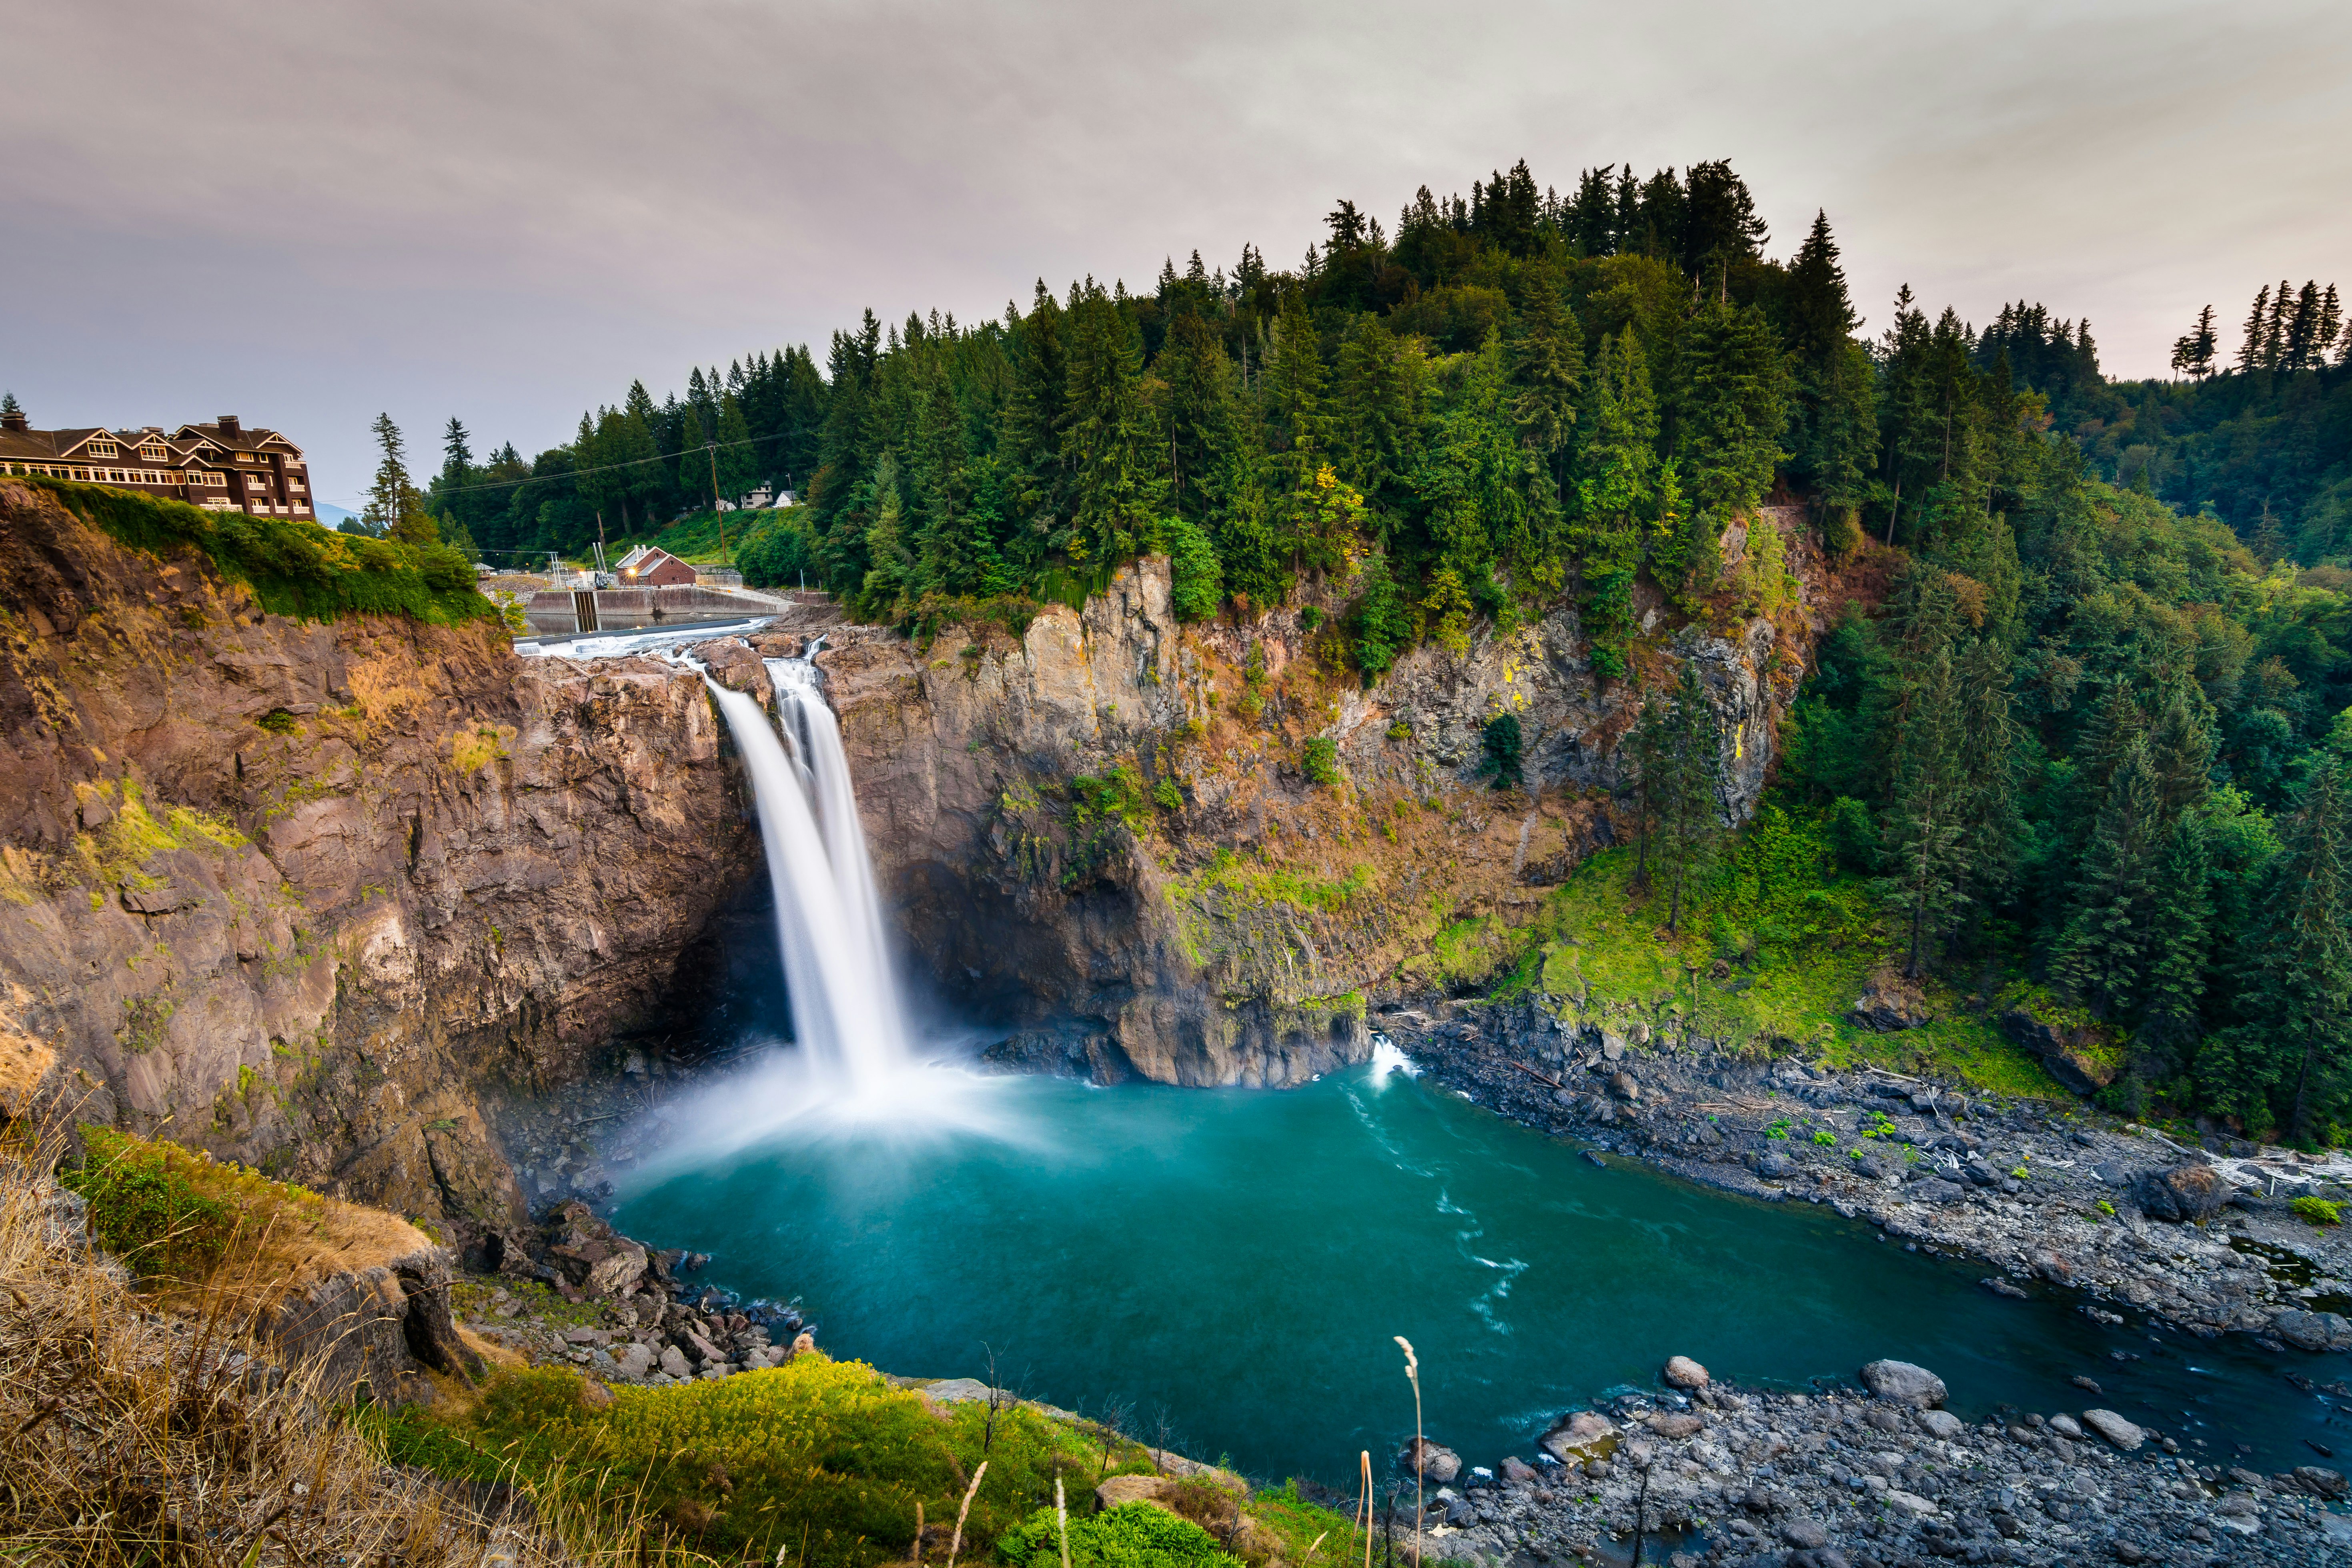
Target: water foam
{"points": [[857, 1067]]}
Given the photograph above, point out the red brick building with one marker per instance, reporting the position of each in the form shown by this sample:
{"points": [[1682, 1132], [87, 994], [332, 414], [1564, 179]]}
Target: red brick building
{"points": [[222, 466], [646, 567]]}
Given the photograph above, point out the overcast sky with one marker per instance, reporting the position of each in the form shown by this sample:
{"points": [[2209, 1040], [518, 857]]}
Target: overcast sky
{"points": [[506, 210]]}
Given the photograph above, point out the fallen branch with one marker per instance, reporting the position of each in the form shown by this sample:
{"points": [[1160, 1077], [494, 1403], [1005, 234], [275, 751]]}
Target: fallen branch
{"points": [[964, 1512], [1543, 1078]]}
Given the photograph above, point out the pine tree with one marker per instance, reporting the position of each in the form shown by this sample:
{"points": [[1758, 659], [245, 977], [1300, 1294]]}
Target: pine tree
{"points": [[2106, 945], [889, 565], [394, 509], [1379, 626], [1110, 449], [1375, 442], [2296, 1036], [2192, 353], [1927, 849], [1833, 425], [2172, 987], [2250, 349], [2297, 343], [1546, 374], [1616, 496], [739, 459], [1197, 579], [694, 459], [2274, 325]]}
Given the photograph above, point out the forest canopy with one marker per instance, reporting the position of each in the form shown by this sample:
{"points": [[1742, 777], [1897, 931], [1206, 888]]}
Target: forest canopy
{"points": [[2090, 742]]}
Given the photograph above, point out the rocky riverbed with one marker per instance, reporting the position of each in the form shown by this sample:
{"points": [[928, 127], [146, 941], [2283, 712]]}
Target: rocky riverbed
{"points": [[2053, 1197], [1875, 1473]]}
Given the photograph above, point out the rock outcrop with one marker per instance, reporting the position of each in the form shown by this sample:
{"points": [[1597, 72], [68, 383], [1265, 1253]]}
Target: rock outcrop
{"points": [[1192, 852], [303, 893]]}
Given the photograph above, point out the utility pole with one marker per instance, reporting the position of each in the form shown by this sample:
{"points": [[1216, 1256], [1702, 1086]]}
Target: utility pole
{"points": [[712, 447]]}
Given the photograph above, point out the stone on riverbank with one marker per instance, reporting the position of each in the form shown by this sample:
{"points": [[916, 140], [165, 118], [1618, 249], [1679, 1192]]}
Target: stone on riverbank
{"points": [[1437, 1462], [2313, 1331], [1902, 1382], [2124, 1435], [1685, 1374], [2183, 1193], [1581, 1434]]}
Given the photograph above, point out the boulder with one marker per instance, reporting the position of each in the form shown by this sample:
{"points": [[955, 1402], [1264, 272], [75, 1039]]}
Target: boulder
{"points": [[1434, 1461], [1905, 1384], [619, 1269], [2065, 1427], [634, 1361], [2080, 1054], [2320, 1481], [1581, 1434], [1676, 1425], [2186, 1192], [2124, 1435], [1940, 1423], [673, 1361], [1685, 1374], [1774, 1166], [1804, 1533], [1623, 1086], [2312, 1330], [1890, 1003], [1518, 1472]]}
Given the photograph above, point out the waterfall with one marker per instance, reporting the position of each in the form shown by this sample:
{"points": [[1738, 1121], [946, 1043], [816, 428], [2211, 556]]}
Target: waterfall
{"points": [[845, 996]]}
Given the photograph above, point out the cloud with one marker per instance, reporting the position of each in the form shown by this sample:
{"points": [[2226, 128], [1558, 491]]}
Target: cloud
{"points": [[507, 210]]}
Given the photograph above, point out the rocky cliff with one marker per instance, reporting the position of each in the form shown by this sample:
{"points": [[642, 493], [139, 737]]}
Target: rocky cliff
{"points": [[1198, 853], [301, 894]]}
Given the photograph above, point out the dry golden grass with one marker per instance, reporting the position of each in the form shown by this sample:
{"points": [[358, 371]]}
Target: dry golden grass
{"points": [[133, 1434], [141, 1428]]}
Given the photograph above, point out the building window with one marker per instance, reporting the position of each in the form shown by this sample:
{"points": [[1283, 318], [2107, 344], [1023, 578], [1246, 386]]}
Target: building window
{"points": [[103, 449]]}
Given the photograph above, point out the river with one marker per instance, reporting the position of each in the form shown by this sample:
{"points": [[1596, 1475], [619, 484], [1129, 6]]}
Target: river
{"points": [[1229, 1267]]}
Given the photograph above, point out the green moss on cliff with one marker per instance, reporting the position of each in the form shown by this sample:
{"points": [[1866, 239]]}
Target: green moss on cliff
{"points": [[294, 568]]}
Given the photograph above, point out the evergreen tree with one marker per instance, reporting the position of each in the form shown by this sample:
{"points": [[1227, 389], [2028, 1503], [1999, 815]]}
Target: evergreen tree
{"points": [[1733, 409], [883, 593], [395, 509], [1547, 375], [2107, 945], [1198, 580], [1379, 625], [2172, 987], [739, 463], [2249, 351], [1616, 496], [1375, 444], [1927, 850], [2192, 353], [1110, 449], [2294, 1044], [695, 460]]}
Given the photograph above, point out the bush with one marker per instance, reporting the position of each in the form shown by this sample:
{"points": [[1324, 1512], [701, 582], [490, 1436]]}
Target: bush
{"points": [[2317, 1211], [1132, 1535], [294, 568], [145, 1206], [822, 1458], [1197, 581], [1320, 761], [1503, 746]]}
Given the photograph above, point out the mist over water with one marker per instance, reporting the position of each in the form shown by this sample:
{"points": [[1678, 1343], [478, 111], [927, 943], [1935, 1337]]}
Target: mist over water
{"points": [[854, 1070], [1227, 1267]]}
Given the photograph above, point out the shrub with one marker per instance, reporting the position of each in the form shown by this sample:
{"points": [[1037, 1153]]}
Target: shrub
{"points": [[1503, 747], [1197, 579], [2317, 1211], [1826, 1140], [145, 1206], [1321, 762], [294, 567], [1132, 1535], [1170, 797]]}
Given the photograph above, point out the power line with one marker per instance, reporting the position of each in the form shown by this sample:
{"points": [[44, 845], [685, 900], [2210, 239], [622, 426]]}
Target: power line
{"points": [[603, 468]]}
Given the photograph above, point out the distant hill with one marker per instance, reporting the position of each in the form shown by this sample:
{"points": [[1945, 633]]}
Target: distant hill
{"points": [[334, 516]]}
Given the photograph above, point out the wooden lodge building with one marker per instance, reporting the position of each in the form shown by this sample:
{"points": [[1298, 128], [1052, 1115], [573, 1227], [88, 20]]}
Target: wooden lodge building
{"points": [[221, 466]]}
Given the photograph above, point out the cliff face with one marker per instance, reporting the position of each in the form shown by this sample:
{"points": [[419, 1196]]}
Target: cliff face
{"points": [[296, 893], [1127, 835], [316, 896]]}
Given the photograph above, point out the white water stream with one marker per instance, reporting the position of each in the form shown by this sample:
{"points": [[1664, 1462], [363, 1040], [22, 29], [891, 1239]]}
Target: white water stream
{"points": [[857, 1065]]}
